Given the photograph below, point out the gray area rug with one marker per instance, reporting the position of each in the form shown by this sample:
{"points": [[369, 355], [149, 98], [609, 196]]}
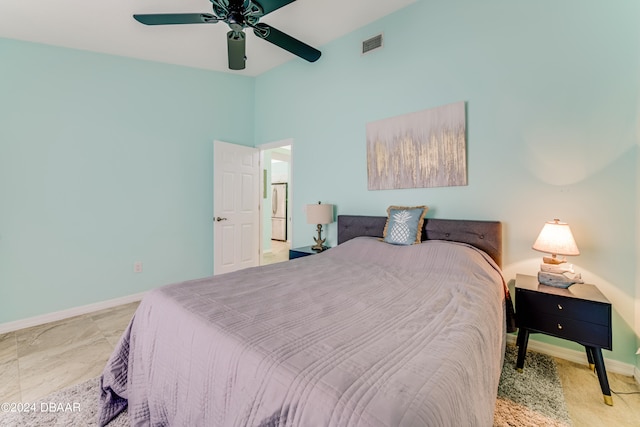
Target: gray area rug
{"points": [[531, 398]]}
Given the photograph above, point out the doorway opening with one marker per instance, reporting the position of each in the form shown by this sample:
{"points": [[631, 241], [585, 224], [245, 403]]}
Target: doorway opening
{"points": [[276, 213]]}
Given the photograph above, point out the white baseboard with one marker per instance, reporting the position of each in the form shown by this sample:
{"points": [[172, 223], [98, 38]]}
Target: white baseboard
{"points": [[578, 357], [65, 314]]}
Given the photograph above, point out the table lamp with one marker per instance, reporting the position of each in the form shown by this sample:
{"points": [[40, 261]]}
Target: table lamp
{"points": [[556, 239], [319, 214]]}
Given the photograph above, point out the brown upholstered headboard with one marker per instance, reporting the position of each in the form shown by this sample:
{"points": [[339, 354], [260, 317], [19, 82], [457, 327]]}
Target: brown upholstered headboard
{"points": [[485, 235]]}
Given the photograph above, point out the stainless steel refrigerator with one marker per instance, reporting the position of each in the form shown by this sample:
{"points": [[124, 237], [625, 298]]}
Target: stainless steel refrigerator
{"points": [[279, 211]]}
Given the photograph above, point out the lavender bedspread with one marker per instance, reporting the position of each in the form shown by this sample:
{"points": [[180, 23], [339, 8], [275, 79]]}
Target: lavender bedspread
{"points": [[365, 334]]}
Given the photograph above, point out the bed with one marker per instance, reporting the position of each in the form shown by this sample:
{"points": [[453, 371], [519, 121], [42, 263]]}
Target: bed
{"points": [[363, 334]]}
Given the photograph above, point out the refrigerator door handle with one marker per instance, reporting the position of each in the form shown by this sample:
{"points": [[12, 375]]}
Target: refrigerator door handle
{"points": [[274, 202]]}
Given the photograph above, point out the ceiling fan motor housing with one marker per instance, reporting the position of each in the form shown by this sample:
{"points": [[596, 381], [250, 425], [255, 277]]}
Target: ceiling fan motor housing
{"points": [[238, 14]]}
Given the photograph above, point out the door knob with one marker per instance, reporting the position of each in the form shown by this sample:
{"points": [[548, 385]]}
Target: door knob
{"points": [[220, 219]]}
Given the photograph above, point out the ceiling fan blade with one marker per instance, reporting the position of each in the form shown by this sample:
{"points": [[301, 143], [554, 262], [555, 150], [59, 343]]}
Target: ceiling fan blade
{"points": [[286, 42], [177, 18], [236, 50], [269, 6]]}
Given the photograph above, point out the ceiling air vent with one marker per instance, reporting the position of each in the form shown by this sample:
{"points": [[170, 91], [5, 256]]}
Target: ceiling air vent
{"points": [[373, 43]]}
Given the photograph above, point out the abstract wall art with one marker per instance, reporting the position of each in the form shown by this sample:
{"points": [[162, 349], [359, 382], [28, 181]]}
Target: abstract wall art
{"points": [[418, 150]]}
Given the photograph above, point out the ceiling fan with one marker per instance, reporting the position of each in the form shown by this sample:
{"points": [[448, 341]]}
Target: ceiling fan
{"points": [[239, 14]]}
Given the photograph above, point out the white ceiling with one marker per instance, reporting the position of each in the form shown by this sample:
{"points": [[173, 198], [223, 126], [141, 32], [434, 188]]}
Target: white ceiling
{"points": [[107, 26]]}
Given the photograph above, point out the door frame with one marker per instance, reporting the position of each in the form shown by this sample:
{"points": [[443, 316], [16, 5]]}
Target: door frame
{"points": [[290, 219]]}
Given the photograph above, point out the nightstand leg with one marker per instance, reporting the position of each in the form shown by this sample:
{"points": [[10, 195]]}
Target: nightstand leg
{"points": [[522, 341], [602, 374], [592, 366]]}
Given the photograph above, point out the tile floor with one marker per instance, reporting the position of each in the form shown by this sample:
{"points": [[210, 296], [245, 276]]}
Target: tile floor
{"points": [[39, 360], [279, 252]]}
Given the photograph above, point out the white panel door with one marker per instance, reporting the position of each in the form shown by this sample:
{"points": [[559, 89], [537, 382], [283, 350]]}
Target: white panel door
{"points": [[236, 229]]}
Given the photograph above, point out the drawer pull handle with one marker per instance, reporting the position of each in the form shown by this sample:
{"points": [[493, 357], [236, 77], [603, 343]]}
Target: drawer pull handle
{"points": [[559, 307], [559, 326]]}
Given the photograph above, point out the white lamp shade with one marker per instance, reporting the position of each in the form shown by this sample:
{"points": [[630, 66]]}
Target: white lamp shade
{"points": [[319, 214], [556, 238]]}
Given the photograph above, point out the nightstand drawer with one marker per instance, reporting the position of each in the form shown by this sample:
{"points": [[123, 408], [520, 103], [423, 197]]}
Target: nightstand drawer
{"points": [[570, 308], [562, 327]]}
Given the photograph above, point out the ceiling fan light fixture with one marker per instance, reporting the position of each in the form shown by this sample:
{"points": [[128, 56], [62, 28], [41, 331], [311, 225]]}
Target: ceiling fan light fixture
{"points": [[236, 42]]}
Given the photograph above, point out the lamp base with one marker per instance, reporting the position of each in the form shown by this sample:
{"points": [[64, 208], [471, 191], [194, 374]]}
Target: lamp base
{"points": [[557, 268], [558, 280], [553, 260], [319, 246]]}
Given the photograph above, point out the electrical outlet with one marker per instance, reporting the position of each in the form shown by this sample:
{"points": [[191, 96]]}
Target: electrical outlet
{"points": [[137, 267]]}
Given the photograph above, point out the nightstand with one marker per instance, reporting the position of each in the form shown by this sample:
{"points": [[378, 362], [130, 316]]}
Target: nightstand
{"points": [[300, 252], [579, 313]]}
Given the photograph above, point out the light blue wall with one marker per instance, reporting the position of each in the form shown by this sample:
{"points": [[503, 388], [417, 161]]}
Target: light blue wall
{"points": [[552, 94], [105, 161]]}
